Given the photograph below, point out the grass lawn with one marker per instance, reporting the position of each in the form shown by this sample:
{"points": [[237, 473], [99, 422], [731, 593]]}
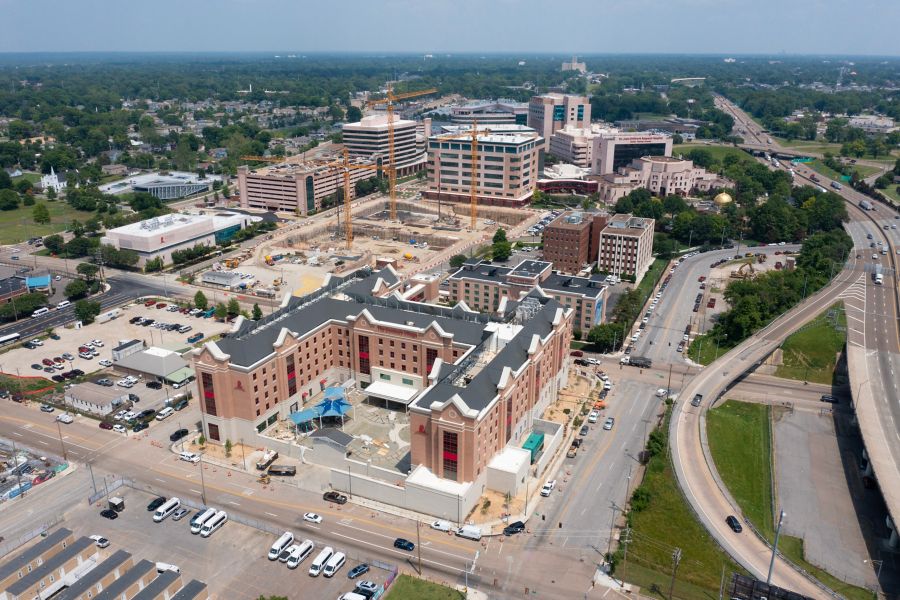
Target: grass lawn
{"points": [[651, 278], [703, 350], [32, 177], [821, 147], [413, 588], [740, 443], [25, 384], [810, 354], [666, 523], [891, 192], [863, 170], [740, 440], [17, 225]]}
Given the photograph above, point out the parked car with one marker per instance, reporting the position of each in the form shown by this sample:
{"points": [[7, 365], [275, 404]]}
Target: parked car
{"points": [[156, 503], [154, 385], [105, 425], [101, 541], [608, 425], [139, 427], [734, 523], [178, 434], [584, 430], [180, 514], [335, 497], [548, 487], [357, 571], [119, 428], [47, 408], [110, 514], [514, 528]]}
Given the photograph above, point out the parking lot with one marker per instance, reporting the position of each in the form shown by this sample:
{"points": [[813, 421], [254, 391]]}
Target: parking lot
{"points": [[24, 362], [232, 561]]}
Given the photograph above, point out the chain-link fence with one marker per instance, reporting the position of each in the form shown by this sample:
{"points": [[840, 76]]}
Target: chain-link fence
{"points": [[11, 545]]}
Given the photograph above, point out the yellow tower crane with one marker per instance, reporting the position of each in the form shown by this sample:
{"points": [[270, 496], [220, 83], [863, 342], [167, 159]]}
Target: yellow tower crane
{"points": [[472, 134], [347, 166], [389, 101]]}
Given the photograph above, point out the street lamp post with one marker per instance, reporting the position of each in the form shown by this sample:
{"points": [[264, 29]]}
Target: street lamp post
{"points": [[61, 442], [202, 482], [775, 547]]}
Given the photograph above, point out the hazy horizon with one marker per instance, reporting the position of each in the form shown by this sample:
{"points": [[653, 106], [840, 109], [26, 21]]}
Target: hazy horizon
{"points": [[522, 27]]}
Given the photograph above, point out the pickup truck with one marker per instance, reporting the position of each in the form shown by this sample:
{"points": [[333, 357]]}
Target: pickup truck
{"points": [[573, 452]]}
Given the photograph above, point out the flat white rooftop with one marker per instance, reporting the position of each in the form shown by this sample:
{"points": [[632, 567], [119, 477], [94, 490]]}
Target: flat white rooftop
{"points": [[389, 391]]}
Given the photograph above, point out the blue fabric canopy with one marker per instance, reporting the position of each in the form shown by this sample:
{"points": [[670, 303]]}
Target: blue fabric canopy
{"points": [[333, 405]]}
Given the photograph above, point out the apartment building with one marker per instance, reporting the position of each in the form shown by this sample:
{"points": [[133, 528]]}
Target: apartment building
{"points": [[626, 246], [369, 139], [130, 583], [100, 577], [662, 175], [549, 113], [356, 327], [485, 287], [296, 186], [572, 240], [506, 167]]}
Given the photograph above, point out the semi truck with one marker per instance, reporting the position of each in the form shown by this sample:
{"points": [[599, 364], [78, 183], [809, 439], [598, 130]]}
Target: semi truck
{"points": [[636, 361]]}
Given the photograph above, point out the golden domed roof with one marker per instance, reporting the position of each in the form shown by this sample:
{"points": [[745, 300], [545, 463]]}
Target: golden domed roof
{"points": [[722, 199]]}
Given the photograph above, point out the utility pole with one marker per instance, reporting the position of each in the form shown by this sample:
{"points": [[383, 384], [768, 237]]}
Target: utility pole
{"points": [[18, 470], [775, 547], [91, 471], [419, 545], [612, 525], [61, 442], [669, 385], [722, 582], [202, 483], [676, 559], [243, 458], [625, 542]]}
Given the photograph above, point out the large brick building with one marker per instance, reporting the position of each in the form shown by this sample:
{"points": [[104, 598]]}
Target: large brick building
{"points": [[454, 369], [572, 240], [486, 287]]}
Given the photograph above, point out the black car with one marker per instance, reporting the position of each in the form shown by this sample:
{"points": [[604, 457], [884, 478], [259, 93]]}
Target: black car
{"points": [[514, 528], [77, 372], [110, 514], [577, 442], [156, 503], [134, 320], [698, 398], [584, 430], [154, 385], [734, 524], [58, 378], [147, 322], [357, 571], [145, 414], [334, 497], [139, 427], [178, 435], [404, 544]]}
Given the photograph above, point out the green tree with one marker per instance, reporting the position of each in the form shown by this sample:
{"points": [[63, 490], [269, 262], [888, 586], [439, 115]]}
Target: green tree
{"points": [[233, 307], [153, 265], [501, 251], [354, 114], [257, 312], [27, 200], [87, 270], [40, 214], [607, 337], [200, 300], [499, 235], [228, 447], [6, 180], [54, 243], [9, 200], [76, 289], [221, 311], [77, 228], [87, 311], [457, 260], [79, 246], [336, 113], [22, 306]]}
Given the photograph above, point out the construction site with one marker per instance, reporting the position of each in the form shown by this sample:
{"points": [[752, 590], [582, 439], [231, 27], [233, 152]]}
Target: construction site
{"points": [[403, 230]]}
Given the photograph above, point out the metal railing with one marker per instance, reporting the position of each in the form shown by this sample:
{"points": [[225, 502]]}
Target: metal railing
{"points": [[11, 545]]}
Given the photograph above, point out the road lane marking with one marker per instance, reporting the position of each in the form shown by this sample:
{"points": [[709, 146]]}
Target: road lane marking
{"points": [[272, 514], [233, 502]]}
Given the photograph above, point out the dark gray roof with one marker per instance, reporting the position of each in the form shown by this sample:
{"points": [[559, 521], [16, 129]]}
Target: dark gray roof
{"points": [[483, 271], [53, 538], [254, 340], [118, 587], [573, 285], [10, 285], [193, 589], [51, 564], [157, 586], [97, 573], [336, 436], [530, 268], [127, 344], [479, 392]]}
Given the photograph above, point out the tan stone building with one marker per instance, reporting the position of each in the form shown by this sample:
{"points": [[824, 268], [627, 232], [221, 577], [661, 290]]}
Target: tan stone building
{"points": [[626, 246], [551, 112], [662, 175]]}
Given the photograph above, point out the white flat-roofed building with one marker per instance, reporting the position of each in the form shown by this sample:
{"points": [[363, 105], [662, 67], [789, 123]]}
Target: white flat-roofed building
{"points": [[575, 145], [369, 139], [490, 113], [506, 171], [165, 186], [626, 246], [160, 236]]}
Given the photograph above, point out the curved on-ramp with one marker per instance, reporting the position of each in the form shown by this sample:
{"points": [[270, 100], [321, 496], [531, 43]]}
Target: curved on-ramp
{"points": [[694, 468]]}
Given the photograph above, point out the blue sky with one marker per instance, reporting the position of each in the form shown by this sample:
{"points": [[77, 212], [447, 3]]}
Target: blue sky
{"points": [[517, 26]]}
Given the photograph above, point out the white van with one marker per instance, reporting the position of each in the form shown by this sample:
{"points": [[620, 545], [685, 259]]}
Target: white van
{"points": [[300, 554], [162, 567], [63, 304], [184, 328], [165, 413], [213, 524], [334, 564], [200, 518], [286, 539], [316, 567], [40, 312], [166, 509], [471, 532]]}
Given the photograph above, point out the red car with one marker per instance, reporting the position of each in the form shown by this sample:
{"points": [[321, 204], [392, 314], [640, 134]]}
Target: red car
{"points": [[161, 305], [58, 360], [576, 353], [47, 362], [149, 303], [702, 278], [105, 425]]}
